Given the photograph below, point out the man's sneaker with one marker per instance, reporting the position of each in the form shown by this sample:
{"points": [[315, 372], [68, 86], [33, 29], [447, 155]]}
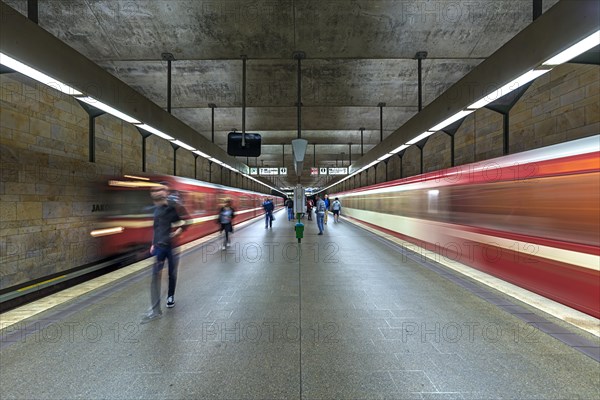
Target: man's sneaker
{"points": [[151, 316], [223, 248], [170, 302]]}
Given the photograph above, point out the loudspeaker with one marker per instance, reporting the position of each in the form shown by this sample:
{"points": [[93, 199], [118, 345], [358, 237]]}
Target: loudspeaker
{"points": [[251, 146]]}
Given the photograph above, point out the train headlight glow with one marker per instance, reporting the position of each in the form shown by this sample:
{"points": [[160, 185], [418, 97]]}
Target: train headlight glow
{"points": [[107, 231]]}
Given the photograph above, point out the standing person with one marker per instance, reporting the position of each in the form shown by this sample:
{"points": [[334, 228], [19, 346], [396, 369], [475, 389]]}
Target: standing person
{"points": [[309, 207], [226, 214], [165, 214], [269, 207], [320, 214], [326, 200], [289, 203], [336, 207]]}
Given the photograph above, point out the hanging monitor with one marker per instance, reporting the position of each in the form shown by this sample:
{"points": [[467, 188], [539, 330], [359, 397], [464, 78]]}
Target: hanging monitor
{"points": [[250, 147]]}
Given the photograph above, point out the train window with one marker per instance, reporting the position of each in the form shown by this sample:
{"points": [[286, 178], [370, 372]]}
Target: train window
{"points": [[197, 203], [432, 201], [128, 202]]}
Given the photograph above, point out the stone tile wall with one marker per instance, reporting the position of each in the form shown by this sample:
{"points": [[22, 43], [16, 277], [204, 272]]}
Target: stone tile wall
{"points": [[561, 105], [48, 186]]}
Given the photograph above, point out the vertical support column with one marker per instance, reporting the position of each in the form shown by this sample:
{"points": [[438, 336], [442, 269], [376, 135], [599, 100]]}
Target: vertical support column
{"points": [[212, 121], [195, 166], [168, 57], [505, 133], [537, 9], [210, 163], [92, 138], [386, 169], [381, 105], [314, 154], [452, 156], [421, 146], [420, 56], [401, 155], [145, 135], [503, 106], [362, 131], [92, 113], [244, 59], [32, 10], [175, 148], [349, 154], [299, 55]]}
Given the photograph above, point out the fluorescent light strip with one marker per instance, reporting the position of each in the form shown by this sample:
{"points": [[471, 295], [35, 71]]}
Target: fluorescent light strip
{"points": [[419, 138], [37, 75], [185, 146], [584, 45], [399, 149], [105, 107], [443, 124], [385, 157], [201, 153], [155, 131], [509, 87]]}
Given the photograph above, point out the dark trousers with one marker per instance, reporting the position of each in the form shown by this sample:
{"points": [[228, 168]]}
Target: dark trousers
{"points": [[162, 254], [228, 228], [269, 219]]}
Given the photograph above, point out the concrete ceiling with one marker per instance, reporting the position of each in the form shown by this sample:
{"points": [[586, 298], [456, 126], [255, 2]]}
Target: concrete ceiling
{"points": [[358, 53]]}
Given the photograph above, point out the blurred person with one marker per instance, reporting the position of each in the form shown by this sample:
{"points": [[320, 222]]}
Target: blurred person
{"points": [[165, 213], [269, 207], [336, 208], [309, 207], [289, 203], [321, 210], [326, 200], [226, 214]]}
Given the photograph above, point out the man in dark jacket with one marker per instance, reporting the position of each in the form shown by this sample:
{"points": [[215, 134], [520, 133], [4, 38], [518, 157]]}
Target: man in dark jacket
{"points": [[269, 207], [289, 203], [166, 212]]}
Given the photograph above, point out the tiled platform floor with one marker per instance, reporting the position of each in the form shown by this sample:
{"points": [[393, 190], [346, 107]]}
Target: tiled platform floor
{"points": [[342, 316]]}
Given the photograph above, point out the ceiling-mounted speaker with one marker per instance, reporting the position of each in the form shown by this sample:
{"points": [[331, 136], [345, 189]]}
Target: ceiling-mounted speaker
{"points": [[248, 147]]}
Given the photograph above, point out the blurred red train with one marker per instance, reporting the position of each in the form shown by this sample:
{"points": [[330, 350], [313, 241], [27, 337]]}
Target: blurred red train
{"points": [[126, 211], [532, 218]]}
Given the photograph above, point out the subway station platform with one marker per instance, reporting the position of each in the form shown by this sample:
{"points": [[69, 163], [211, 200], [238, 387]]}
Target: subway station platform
{"points": [[346, 315]]}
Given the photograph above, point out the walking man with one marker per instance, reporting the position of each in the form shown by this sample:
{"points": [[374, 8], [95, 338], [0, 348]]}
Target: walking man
{"points": [[165, 214], [269, 207]]}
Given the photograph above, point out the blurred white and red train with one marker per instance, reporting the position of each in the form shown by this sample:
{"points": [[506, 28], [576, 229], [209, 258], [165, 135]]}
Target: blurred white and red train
{"points": [[532, 218], [125, 223]]}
